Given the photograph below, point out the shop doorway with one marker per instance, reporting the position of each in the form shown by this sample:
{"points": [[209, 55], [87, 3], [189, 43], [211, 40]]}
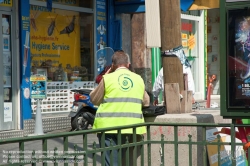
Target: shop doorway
{"points": [[7, 101]]}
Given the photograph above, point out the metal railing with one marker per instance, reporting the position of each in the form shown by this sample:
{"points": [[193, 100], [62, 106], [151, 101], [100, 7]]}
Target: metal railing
{"points": [[168, 137]]}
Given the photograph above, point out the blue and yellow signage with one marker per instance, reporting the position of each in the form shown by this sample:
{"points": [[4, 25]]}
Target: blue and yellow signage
{"points": [[54, 36], [7, 3], [38, 87]]}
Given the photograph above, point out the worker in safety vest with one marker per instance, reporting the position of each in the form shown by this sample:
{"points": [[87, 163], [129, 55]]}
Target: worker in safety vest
{"points": [[120, 96]]}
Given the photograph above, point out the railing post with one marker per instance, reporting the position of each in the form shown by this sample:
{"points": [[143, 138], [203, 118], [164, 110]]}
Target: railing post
{"points": [[65, 148], [162, 150], [204, 146], [149, 146], [233, 142], [135, 148], [190, 150], [21, 149], [176, 145], [45, 148], [85, 148]]}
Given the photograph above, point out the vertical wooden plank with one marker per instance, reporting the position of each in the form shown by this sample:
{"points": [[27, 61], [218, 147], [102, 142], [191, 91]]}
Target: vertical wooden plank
{"points": [[189, 101], [184, 101], [172, 94], [173, 71]]}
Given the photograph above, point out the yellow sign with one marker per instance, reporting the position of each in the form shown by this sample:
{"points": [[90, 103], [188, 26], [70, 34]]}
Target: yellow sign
{"points": [[6, 3], [37, 78], [184, 36], [191, 42], [54, 37], [184, 43]]}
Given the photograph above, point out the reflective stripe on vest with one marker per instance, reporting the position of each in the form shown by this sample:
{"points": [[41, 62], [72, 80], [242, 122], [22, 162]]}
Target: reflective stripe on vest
{"points": [[119, 114], [120, 99]]}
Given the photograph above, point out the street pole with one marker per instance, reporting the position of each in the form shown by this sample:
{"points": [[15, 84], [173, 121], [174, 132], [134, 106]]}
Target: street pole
{"points": [[170, 19]]}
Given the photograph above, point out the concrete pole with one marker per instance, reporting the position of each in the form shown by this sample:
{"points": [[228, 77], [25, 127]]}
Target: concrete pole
{"points": [[170, 18], [39, 123]]}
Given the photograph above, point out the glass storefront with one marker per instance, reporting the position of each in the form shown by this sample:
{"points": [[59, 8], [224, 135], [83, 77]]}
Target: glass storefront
{"points": [[62, 48], [8, 61], [61, 44], [190, 36]]}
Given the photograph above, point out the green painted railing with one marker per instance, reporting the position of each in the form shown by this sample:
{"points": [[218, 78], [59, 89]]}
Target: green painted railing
{"points": [[158, 135]]}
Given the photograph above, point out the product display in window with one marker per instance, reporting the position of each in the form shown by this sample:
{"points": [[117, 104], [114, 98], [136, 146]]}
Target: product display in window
{"points": [[58, 42]]}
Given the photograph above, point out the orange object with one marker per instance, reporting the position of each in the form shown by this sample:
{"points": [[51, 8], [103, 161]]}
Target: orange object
{"points": [[209, 89], [228, 132]]}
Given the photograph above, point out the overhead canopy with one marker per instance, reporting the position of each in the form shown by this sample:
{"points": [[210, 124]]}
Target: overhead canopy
{"points": [[133, 6]]}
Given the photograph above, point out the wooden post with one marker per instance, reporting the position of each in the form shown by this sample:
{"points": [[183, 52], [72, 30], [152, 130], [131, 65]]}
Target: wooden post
{"points": [[170, 14]]}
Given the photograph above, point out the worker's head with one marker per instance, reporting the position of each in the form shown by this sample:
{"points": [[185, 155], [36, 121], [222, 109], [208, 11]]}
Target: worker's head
{"points": [[120, 59]]}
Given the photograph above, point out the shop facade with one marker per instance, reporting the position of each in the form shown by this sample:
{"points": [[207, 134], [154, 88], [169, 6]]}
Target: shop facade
{"points": [[60, 42], [193, 40], [9, 59]]}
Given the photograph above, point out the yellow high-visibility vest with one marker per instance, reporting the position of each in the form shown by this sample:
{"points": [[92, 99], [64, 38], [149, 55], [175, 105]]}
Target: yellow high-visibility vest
{"points": [[122, 104]]}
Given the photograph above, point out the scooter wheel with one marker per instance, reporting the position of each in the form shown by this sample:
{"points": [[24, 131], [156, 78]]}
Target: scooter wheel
{"points": [[79, 122]]}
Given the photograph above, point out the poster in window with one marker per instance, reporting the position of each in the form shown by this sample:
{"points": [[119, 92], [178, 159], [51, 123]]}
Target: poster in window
{"points": [[226, 156], [7, 112], [6, 57], [7, 81], [238, 58], [6, 42], [41, 71], [55, 36]]}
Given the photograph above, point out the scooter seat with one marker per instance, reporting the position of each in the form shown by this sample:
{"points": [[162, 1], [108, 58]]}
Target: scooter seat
{"points": [[82, 91]]}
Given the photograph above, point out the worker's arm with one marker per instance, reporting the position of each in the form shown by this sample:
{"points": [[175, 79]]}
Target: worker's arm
{"points": [[97, 95], [146, 100]]}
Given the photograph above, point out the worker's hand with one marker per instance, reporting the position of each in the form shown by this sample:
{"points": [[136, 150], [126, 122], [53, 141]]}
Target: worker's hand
{"points": [[108, 71], [155, 102], [193, 100]]}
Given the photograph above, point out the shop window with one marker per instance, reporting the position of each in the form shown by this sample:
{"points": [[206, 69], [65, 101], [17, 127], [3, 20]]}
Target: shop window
{"points": [[7, 69], [61, 44], [80, 3], [190, 46]]}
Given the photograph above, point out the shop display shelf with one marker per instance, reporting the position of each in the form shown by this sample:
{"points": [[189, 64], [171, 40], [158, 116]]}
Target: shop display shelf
{"points": [[59, 97]]}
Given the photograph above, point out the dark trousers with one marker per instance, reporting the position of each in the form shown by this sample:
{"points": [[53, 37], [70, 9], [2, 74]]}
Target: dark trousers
{"points": [[113, 138]]}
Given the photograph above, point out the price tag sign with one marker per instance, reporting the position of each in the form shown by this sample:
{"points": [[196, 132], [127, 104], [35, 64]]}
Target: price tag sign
{"points": [[38, 88]]}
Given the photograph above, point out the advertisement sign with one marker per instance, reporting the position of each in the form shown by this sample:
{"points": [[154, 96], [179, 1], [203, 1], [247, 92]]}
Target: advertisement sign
{"points": [[189, 37], [238, 58], [54, 36], [101, 33], [7, 3], [38, 89], [226, 156], [7, 112]]}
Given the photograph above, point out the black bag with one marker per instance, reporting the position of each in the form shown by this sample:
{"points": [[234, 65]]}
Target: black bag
{"points": [[153, 111]]}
